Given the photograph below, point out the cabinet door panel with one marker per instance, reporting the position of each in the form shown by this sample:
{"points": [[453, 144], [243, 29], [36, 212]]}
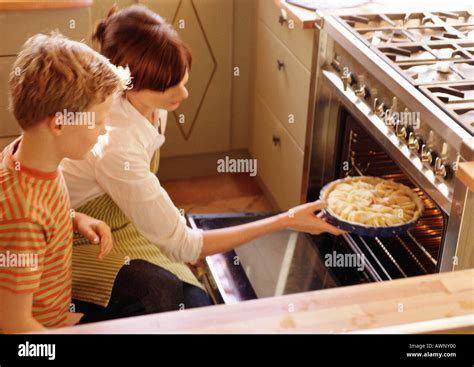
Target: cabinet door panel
{"points": [[284, 88], [299, 41], [18, 26], [8, 125], [202, 123], [279, 159]]}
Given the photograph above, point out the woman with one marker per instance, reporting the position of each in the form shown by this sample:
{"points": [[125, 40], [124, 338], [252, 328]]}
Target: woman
{"points": [[117, 183]]}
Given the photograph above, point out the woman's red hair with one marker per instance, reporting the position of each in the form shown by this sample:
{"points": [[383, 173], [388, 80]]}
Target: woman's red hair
{"points": [[152, 49]]}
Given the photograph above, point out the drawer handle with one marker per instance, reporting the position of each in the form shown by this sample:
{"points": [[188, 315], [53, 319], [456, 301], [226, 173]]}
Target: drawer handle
{"points": [[280, 64], [319, 21], [283, 18], [276, 140]]}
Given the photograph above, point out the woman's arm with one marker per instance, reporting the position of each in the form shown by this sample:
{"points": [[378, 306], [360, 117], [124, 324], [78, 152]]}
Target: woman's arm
{"points": [[301, 218]]}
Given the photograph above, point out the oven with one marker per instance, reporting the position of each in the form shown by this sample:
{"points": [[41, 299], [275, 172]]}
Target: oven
{"points": [[414, 253], [358, 130]]}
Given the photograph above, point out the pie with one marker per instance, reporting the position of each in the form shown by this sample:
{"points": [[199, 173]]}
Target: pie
{"points": [[372, 201]]}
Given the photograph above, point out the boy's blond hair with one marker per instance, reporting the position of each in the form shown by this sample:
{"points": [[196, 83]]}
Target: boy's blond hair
{"points": [[52, 74]]}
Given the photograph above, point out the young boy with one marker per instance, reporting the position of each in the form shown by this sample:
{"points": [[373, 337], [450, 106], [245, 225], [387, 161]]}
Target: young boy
{"points": [[60, 93]]}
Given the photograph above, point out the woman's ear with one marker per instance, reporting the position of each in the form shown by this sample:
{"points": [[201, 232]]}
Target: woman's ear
{"points": [[55, 124]]}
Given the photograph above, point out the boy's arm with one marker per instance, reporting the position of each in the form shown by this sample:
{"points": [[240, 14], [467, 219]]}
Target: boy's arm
{"points": [[20, 237], [96, 231], [16, 313]]}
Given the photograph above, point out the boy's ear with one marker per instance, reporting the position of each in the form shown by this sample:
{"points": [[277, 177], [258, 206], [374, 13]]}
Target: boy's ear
{"points": [[55, 124]]}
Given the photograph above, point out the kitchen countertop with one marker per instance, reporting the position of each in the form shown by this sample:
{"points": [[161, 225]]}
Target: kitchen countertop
{"points": [[14, 5], [302, 17], [465, 173], [432, 303]]}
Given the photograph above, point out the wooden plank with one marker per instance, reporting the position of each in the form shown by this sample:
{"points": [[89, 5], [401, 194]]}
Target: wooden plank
{"points": [[465, 173], [10, 5], [465, 248], [303, 18], [359, 308]]}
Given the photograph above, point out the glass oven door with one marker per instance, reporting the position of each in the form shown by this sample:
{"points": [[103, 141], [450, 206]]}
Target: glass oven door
{"points": [[276, 264]]}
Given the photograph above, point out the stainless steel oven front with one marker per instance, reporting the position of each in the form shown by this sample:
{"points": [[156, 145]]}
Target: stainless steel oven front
{"points": [[355, 134]]}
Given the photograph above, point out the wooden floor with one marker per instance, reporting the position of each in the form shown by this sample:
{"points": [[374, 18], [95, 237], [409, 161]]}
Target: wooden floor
{"points": [[227, 193]]}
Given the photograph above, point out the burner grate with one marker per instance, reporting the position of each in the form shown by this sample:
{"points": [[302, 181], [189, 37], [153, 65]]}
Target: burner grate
{"points": [[432, 50], [457, 99]]}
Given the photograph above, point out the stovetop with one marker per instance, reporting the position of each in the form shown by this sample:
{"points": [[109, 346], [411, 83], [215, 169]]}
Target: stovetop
{"points": [[432, 50]]}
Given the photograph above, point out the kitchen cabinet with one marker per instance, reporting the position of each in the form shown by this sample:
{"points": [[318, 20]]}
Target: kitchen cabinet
{"points": [[73, 23], [215, 118], [282, 103], [202, 124], [8, 126], [17, 26], [283, 83], [214, 121], [279, 158]]}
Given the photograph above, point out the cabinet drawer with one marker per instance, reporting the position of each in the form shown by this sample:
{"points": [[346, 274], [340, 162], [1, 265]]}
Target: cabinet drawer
{"points": [[19, 25], [279, 159], [284, 88], [299, 41], [8, 125]]}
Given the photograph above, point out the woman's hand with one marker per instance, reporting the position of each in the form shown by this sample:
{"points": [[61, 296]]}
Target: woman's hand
{"points": [[96, 231], [303, 219]]}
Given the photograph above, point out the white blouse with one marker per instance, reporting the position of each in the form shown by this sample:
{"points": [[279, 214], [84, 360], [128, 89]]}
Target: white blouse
{"points": [[119, 165]]}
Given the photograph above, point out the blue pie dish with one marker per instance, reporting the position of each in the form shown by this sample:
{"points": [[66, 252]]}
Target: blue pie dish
{"points": [[360, 229]]}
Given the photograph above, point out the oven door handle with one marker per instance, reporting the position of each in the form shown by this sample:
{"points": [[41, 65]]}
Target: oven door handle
{"points": [[380, 131]]}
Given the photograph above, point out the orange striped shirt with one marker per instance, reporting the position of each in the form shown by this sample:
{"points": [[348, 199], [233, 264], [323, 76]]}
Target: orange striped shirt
{"points": [[35, 238]]}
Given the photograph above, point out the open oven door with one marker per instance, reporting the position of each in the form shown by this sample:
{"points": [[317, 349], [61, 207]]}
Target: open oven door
{"points": [[280, 263]]}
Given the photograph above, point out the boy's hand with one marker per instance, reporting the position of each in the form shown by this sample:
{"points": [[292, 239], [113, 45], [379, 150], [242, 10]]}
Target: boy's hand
{"points": [[96, 231], [304, 219]]}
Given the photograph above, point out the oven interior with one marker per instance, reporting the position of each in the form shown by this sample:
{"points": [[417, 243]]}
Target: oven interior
{"points": [[414, 253]]}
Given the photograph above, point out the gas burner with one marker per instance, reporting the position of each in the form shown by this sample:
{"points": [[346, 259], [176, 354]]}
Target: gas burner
{"points": [[438, 71], [441, 71], [444, 67]]}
